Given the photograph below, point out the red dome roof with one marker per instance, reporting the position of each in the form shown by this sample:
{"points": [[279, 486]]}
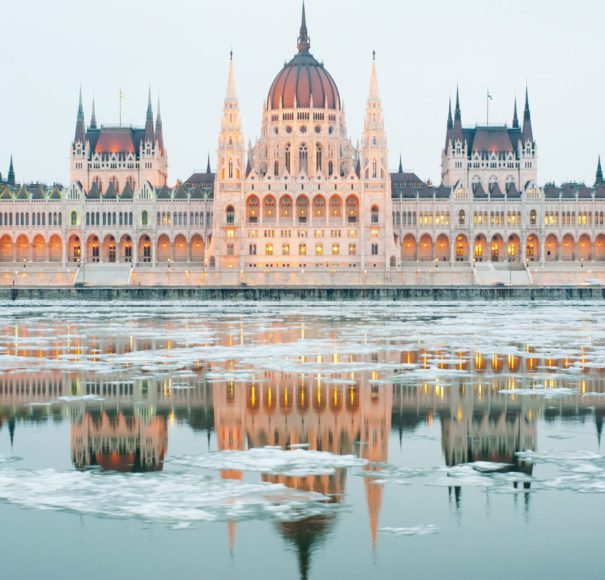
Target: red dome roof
{"points": [[304, 81]]}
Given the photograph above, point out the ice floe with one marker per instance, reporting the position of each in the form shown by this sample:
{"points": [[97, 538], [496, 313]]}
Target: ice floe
{"points": [[170, 497], [273, 460]]}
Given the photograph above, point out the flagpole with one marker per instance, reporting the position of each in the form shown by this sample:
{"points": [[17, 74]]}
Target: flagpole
{"points": [[120, 107], [487, 107]]}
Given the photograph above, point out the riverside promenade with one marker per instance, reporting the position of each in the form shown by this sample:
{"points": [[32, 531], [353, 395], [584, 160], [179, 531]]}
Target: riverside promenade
{"points": [[294, 294]]}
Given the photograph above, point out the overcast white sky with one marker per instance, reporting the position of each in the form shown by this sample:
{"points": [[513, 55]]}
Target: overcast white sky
{"points": [[423, 48]]}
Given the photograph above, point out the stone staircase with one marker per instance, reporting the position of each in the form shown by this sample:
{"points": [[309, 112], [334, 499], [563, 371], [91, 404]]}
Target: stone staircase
{"points": [[104, 275], [501, 274]]}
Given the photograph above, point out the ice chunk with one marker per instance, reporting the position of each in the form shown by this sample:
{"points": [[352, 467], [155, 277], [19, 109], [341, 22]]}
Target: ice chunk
{"points": [[414, 531], [297, 462]]}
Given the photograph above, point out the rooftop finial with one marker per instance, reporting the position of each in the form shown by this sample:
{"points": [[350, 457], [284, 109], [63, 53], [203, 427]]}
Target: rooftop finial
{"points": [[599, 179], [93, 117], [400, 163], [304, 42], [515, 117], [208, 169], [373, 55]]}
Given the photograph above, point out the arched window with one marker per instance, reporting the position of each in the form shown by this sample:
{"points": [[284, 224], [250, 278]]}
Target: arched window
{"points": [[303, 159], [252, 209], [288, 158], [230, 169], [319, 158], [461, 217], [352, 209], [302, 209], [330, 169], [533, 217], [230, 214], [319, 207], [374, 169], [335, 206], [269, 207], [285, 207], [74, 218], [276, 169], [374, 214]]}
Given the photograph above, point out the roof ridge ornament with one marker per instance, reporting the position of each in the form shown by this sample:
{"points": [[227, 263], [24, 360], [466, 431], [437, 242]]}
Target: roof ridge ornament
{"points": [[304, 42]]}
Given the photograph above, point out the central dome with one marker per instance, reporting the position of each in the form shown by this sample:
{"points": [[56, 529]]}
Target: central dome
{"points": [[304, 82]]}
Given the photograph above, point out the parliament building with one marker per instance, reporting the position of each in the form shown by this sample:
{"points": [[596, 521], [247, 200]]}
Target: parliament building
{"points": [[303, 205]]}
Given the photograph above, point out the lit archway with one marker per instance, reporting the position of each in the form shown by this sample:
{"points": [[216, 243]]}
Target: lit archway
{"points": [[442, 248], [568, 248], [55, 249], [198, 249], [497, 249], [551, 248], [74, 249], [461, 248], [425, 248], [22, 247], [6, 249], [126, 249], [164, 249], [513, 248], [109, 249], [584, 248], [532, 248], [180, 249], [480, 249], [145, 249], [39, 249], [408, 248], [599, 248]]}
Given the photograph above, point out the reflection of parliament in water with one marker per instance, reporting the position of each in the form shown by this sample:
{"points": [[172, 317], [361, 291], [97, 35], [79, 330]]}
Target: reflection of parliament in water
{"points": [[476, 425]]}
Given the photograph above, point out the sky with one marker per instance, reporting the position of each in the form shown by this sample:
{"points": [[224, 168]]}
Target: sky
{"points": [[180, 48]]}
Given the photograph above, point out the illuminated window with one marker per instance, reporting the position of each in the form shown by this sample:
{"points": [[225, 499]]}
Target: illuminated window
{"points": [[335, 249], [269, 249], [230, 234], [319, 249], [302, 249], [374, 233], [285, 249], [352, 249]]}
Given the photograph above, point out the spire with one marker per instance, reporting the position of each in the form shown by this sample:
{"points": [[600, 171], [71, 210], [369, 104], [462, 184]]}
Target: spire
{"points": [[93, 117], [11, 174], [159, 133], [80, 128], [527, 130], [149, 133], [304, 42], [231, 88], [515, 117], [599, 179], [208, 169], [400, 163], [374, 93], [457, 130], [450, 125]]}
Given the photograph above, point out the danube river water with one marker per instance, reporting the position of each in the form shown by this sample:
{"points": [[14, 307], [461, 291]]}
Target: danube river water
{"points": [[357, 440]]}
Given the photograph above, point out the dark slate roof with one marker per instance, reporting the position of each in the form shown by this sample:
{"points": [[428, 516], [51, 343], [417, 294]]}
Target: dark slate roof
{"points": [[495, 192], [584, 192], [512, 191], [6, 193], [39, 192], [201, 179], [164, 193], [23, 193], [443, 192], [568, 191], [127, 192], [498, 139], [196, 193], [180, 193], [600, 191], [479, 192], [118, 140], [93, 193], [110, 192], [551, 191], [55, 194], [403, 181]]}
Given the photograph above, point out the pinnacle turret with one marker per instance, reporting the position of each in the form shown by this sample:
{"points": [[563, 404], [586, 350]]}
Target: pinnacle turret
{"points": [[515, 117], [80, 127], [599, 178], [11, 174], [304, 42], [93, 117], [149, 131], [159, 133], [457, 129], [528, 134]]}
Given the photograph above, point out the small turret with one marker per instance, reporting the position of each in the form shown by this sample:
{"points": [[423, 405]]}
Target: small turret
{"points": [[599, 178], [457, 129], [528, 134], [80, 128], [93, 117], [11, 174], [450, 126], [149, 131], [159, 133], [515, 117]]}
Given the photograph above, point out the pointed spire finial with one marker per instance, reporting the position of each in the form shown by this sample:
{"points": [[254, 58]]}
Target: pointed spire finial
{"points": [[304, 42], [149, 109], [208, 169], [515, 117], [373, 55], [400, 163], [93, 116], [80, 128], [11, 173], [457, 113], [450, 122], [599, 178]]}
